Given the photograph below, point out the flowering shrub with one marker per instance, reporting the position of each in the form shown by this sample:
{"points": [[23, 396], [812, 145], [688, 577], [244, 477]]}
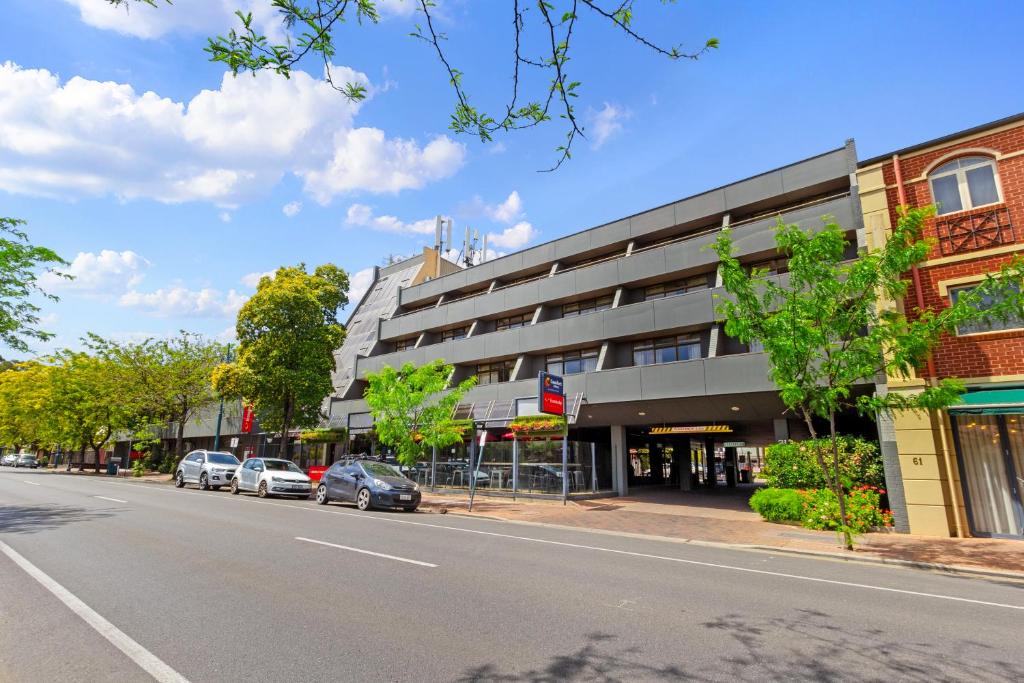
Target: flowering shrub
{"points": [[537, 424], [795, 465], [779, 505], [863, 509]]}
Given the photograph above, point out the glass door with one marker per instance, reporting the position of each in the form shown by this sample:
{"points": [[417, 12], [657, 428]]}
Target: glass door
{"points": [[1015, 440], [990, 477]]}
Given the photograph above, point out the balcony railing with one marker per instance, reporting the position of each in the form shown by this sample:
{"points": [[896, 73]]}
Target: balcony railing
{"points": [[974, 231]]}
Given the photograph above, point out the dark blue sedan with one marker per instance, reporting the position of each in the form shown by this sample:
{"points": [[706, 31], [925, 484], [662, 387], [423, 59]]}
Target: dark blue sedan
{"points": [[368, 484]]}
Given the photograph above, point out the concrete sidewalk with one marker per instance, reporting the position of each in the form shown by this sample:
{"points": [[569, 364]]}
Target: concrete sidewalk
{"points": [[725, 519]]}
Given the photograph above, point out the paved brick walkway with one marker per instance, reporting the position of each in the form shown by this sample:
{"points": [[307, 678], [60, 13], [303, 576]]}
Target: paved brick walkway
{"points": [[725, 518]]}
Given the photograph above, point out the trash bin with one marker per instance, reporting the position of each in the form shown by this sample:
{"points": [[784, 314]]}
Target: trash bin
{"points": [[113, 464], [744, 476]]}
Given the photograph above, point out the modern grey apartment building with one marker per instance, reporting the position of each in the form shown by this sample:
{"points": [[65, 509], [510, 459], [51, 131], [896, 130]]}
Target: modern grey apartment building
{"points": [[626, 313]]}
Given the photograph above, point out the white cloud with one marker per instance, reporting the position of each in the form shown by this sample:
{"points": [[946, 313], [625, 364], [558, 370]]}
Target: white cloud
{"points": [[225, 216], [509, 210], [205, 17], [252, 279], [291, 209], [398, 8], [606, 123], [92, 138], [358, 283], [515, 237], [362, 215], [181, 301], [108, 272]]}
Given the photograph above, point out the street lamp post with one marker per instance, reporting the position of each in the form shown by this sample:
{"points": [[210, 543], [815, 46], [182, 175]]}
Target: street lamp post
{"points": [[220, 412]]}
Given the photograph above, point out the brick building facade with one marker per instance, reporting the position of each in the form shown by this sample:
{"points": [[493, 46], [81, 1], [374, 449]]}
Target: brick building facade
{"points": [[951, 480]]}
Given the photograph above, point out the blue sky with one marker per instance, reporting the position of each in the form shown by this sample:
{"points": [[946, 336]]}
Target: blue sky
{"points": [[167, 183]]}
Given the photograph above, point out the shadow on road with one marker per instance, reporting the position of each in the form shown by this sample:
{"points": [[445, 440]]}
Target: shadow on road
{"points": [[809, 645], [30, 519]]}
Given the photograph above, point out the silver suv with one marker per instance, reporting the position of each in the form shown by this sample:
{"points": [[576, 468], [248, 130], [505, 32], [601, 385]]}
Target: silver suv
{"points": [[209, 469]]}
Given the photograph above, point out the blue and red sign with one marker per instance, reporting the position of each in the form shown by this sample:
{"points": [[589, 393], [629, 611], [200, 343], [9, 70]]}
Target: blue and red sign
{"points": [[550, 394]]}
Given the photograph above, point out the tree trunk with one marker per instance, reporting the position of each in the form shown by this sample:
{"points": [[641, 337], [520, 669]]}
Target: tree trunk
{"points": [[817, 450], [286, 447], [837, 483], [179, 440]]}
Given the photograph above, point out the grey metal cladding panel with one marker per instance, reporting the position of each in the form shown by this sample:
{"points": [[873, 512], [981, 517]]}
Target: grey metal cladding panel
{"points": [[540, 336], [642, 265], [501, 344], [672, 380], [429, 319], [556, 286], [738, 374], [460, 311], [487, 304], [395, 328], [753, 190], [581, 329], [819, 169], [485, 392], [521, 296], [702, 206], [690, 254], [571, 245], [539, 255], [465, 350], [612, 233], [611, 386], [521, 389], [628, 320], [598, 276], [696, 308], [574, 384], [651, 221]]}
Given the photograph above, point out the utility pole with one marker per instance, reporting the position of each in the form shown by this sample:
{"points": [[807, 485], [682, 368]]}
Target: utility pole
{"points": [[220, 412]]}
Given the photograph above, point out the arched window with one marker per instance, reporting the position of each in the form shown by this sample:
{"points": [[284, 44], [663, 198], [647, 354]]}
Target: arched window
{"points": [[965, 183]]}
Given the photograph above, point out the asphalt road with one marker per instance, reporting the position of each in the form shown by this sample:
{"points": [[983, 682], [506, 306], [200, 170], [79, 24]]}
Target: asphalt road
{"points": [[214, 587]]}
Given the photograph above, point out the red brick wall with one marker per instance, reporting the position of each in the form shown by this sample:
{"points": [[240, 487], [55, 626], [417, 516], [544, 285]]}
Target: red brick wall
{"points": [[999, 353]]}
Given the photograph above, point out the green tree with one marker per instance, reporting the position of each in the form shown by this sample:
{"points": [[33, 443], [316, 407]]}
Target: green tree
{"points": [[412, 410], [542, 40], [88, 406], [828, 326], [169, 380], [25, 405], [287, 334], [20, 262]]}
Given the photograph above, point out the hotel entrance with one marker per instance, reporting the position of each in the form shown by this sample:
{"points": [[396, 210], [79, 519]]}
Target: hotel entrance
{"points": [[686, 458]]}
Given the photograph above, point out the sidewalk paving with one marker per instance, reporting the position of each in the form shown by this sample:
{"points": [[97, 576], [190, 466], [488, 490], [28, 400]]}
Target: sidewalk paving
{"points": [[725, 519]]}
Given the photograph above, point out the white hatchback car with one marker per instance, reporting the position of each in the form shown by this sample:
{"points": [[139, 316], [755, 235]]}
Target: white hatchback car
{"points": [[271, 477]]}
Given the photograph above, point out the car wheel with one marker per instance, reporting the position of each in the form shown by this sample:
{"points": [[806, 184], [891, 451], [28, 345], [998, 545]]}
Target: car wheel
{"points": [[321, 495], [234, 487], [262, 490], [179, 480], [363, 499], [204, 482]]}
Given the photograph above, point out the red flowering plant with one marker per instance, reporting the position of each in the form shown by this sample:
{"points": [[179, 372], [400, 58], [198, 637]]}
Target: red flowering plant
{"points": [[537, 425]]}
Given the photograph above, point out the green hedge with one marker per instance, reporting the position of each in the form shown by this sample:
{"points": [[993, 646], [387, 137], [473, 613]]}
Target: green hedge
{"points": [[778, 505], [794, 465]]}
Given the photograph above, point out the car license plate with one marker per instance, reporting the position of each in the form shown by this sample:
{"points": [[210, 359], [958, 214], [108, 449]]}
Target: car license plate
{"points": [[405, 496]]}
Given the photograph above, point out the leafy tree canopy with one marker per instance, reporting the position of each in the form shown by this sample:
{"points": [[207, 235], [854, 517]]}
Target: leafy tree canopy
{"points": [[287, 333], [20, 263], [412, 410], [829, 324]]}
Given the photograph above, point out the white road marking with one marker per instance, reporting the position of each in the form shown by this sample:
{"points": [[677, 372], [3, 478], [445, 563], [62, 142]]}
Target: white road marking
{"points": [[30, 483], [367, 552], [798, 577], [146, 660], [116, 500]]}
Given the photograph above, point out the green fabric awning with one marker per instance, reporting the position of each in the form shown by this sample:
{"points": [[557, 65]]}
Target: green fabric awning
{"points": [[991, 402]]}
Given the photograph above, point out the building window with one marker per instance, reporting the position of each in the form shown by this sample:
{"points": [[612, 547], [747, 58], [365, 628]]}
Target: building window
{"points": [[493, 373], [964, 183], [666, 350], [405, 344], [991, 325], [663, 290], [453, 334], [512, 322], [773, 266], [572, 362], [601, 303]]}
